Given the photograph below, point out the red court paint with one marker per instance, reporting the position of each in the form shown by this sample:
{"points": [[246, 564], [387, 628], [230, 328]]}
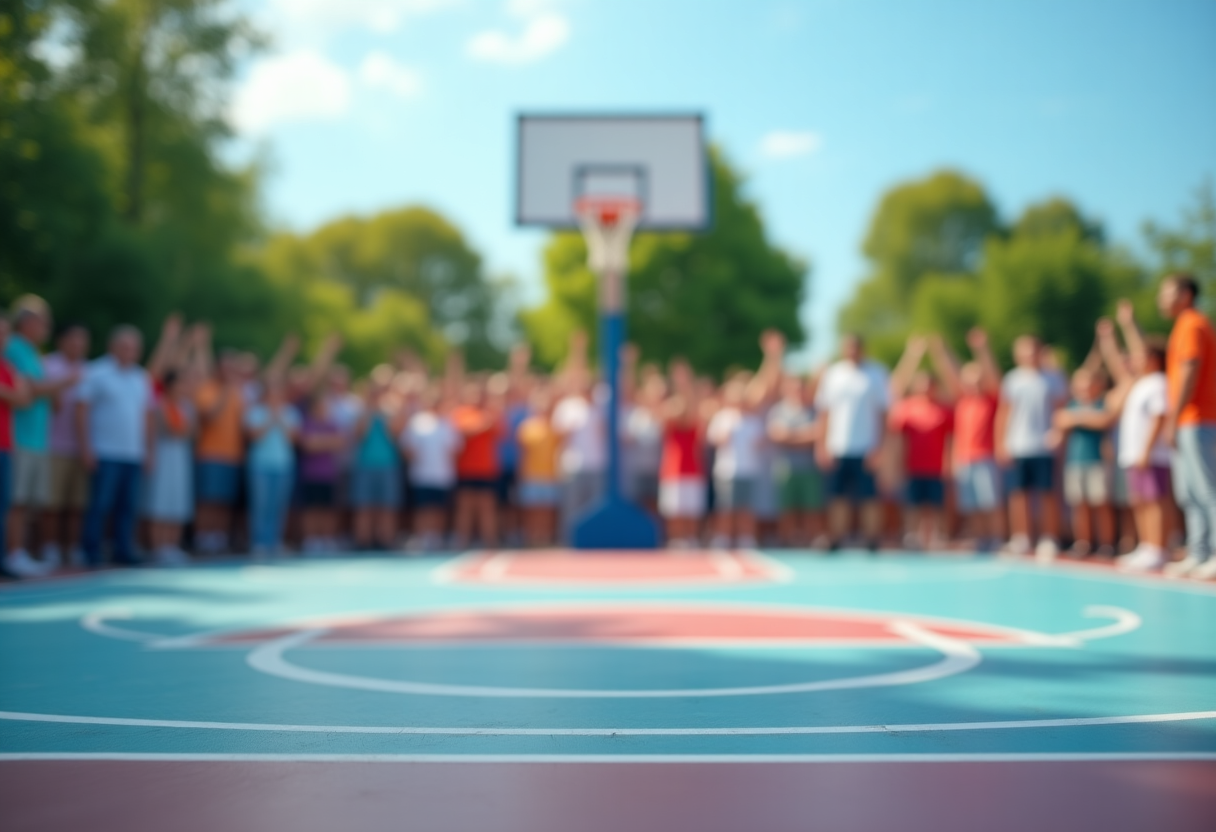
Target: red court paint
{"points": [[634, 624], [242, 796], [569, 566]]}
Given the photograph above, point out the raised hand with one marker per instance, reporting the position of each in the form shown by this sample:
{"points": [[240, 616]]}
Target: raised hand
{"points": [[1125, 313], [977, 339]]}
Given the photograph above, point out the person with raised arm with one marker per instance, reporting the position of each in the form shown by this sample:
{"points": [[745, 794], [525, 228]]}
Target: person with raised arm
{"points": [[975, 389], [924, 419], [1190, 421], [374, 490], [1143, 452], [682, 481], [580, 422]]}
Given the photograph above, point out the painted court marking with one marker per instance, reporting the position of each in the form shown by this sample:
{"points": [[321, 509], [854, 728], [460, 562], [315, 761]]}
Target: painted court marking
{"points": [[561, 568], [958, 657], [1029, 757], [1019, 724]]}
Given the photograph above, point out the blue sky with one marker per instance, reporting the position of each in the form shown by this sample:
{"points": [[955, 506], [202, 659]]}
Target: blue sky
{"points": [[368, 104]]}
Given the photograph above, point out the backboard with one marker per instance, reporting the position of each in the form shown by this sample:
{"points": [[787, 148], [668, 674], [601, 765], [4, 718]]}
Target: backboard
{"points": [[659, 160]]}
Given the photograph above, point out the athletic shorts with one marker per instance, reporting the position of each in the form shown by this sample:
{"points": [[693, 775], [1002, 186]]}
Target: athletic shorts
{"points": [[979, 486], [1032, 473], [538, 494], [850, 480], [318, 494], [734, 494], [374, 488], [801, 489], [643, 487], [1086, 484], [477, 484], [682, 497], [217, 483], [69, 484], [925, 491], [1147, 485], [31, 479], [429, 496], [505, 488]]}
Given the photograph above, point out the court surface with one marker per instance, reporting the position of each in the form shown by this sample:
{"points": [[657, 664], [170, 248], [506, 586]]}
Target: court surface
{"points": [[708, 691]]}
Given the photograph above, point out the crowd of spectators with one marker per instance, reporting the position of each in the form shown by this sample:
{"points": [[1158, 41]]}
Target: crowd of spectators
{"points": [[188, 453]]}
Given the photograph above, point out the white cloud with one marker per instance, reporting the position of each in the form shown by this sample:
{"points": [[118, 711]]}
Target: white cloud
{"points": [[326, 16], [789, 144], [543, 33], [299, 86], [379, 70]]}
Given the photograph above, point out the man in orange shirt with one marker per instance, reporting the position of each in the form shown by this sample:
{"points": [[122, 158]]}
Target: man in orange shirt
{"points": [[1190, 421]]}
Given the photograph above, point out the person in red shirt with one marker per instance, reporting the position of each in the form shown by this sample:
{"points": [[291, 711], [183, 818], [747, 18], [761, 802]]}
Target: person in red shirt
{"points": [[925, 424], [477, 469], [682, 460], [13, 393], [974, 389]]}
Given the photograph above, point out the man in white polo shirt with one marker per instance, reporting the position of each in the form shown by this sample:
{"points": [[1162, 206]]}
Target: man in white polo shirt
{"points": [[113, 410], [852, 400]]}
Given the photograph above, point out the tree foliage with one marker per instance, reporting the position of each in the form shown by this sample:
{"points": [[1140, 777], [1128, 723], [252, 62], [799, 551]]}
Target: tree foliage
{"points": [[706, 297], [1191, 247], [409, 269], [941, 261], [116, 206]]}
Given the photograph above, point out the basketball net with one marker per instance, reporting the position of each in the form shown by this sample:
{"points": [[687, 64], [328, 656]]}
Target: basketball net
{"points": [[607, 224]]}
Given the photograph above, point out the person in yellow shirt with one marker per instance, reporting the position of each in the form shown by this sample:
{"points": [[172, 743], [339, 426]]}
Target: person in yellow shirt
{"points": [[538, 495]]}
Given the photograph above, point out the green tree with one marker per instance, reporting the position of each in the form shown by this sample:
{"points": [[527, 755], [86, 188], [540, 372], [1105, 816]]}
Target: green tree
{"points": [[706, 297], [411, 254], [935, 226], [1190, 247], [1053, 277]]}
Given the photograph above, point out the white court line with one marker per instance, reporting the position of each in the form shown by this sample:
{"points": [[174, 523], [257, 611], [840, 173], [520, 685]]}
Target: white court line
{"points": [[494, 570], [897, 729], [95, 622], [958, 657], [727, 565], [1030, 757]]}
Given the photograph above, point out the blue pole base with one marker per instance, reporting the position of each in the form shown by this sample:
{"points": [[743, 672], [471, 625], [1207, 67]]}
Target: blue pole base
{"points": [[616, 524]]}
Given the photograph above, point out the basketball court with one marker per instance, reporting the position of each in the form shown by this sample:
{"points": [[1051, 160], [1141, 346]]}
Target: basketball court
{"points": [[576, 690]]}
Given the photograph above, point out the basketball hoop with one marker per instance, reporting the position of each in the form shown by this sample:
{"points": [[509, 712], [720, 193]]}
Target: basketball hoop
{"points": [[607, 223]]}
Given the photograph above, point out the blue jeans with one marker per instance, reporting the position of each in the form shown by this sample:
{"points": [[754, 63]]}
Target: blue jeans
{"points": [[113, 491], [269, 498], [6, 493], [1194, 469]]}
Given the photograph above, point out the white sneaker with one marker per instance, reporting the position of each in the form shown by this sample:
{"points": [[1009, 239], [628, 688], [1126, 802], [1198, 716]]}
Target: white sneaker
{"points": [[1205, 571], [747, 542], [1018, 546], [1145, 558], [1047, 550], [1181, 568], [912, 542], [719, 541], [22, 565]]}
